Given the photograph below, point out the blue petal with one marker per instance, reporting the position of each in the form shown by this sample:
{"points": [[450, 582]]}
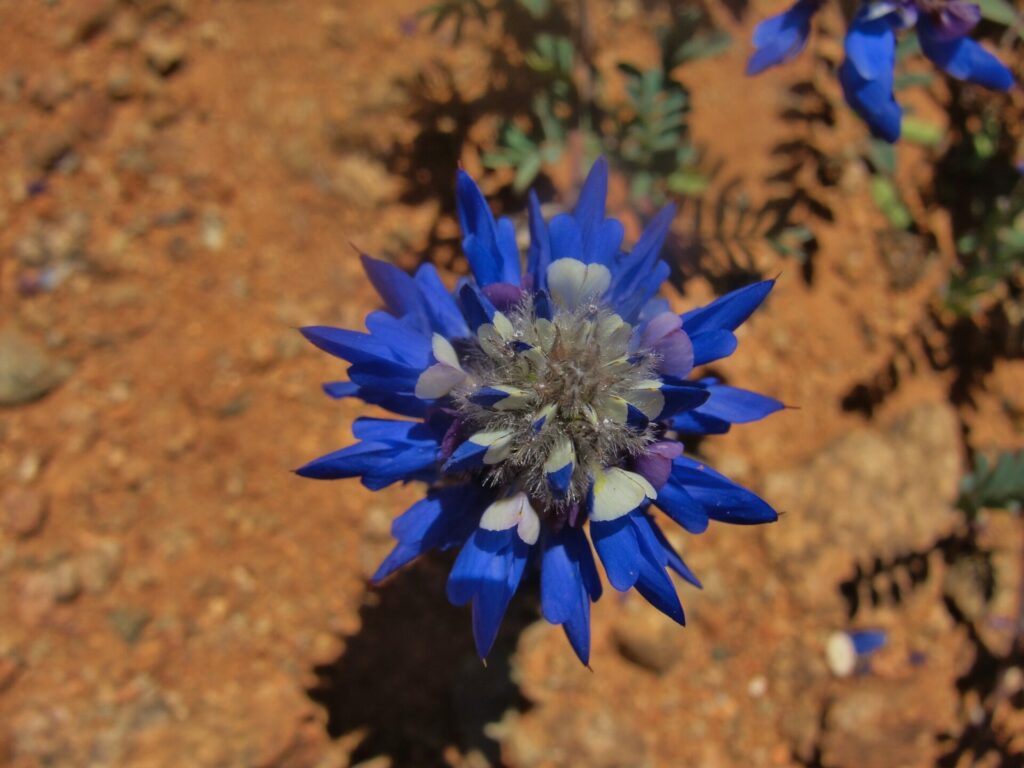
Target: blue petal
{"points": [[496, 590], [672, 558], [565, 595], [639, 275], [619, 550], [734, 405], [474, 559], [467, 456], [631, 305], [354, 346], [480, 234], [674, 500], [401, 403], [696, 423], [601, 244], [634, 268], [442, 520], [378, 464], [721, 498], [476, 307], [712, 345], [635, 418], [867, 641], [487, 397], [509, 252], [867, 74], [727, 312], [653, 582], [538, 257], [962, 57], [390, 451], [399, 290], [781, 38], [385, 376], [393, 431], [870, 45], [681, 396], [600, 238], [390, 340], [590, 205], [445, 316], [341, 389], [542, 305], [566, 238], [407, 345], [559, 480]]}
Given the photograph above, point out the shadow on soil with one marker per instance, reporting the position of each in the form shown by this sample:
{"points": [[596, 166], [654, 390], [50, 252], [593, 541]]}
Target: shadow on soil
{"points": [[410, 679]]}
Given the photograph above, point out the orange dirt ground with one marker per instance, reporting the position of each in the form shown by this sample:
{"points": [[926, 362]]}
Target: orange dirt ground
{"points": [[170, 593]]}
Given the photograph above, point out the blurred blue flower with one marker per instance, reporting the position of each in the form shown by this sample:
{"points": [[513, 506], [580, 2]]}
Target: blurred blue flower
{"points": [[541, 404], [867, 73], [849, 651]]}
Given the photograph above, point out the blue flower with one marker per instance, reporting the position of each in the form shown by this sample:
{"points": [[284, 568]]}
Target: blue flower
{"points": [[541, 405], [780, 38], [867, 72]]}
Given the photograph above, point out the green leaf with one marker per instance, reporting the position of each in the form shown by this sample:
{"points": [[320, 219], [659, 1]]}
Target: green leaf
{"points": [[882, 155], [998, 487], [687, 183], [922, 132], [702, 47], [536, 8], [999, 11], [887, 198], [527, 172]]}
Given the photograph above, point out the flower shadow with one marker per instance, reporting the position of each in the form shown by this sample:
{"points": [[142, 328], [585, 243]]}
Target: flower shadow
{"points": [[410, 680]]}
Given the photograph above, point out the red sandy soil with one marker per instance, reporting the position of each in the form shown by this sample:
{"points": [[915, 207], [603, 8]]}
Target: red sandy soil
{"points": [[169, 591]]}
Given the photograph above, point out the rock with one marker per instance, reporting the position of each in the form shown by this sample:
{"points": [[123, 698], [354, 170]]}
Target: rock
{"points": [[363, 181], [601, 739], [38, 596], [164, 54], [120, 83], [647, 638], [129, 622], [10, 668], [125, 29], [50, 90], [98, 566], [89, 18], [276, 735], [888, 724], [66, 583], [24, 512], [51, 242], [871, 494], [212, 233], [27, 372], [91, 115], [11, 86], [46, 148]]}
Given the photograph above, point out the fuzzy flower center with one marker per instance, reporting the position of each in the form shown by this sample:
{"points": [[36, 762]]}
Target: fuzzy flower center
{"points": [[558, 399]]}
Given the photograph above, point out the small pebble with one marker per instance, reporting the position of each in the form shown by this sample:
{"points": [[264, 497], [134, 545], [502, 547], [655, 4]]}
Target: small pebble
{"points": [[66, 583], [757, 687], [24, 512], [120, 84], [129, 623], [164, 55]]}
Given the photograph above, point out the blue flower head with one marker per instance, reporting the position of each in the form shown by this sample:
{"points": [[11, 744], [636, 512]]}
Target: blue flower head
{"points": [[866, 74], [541, 405]]}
